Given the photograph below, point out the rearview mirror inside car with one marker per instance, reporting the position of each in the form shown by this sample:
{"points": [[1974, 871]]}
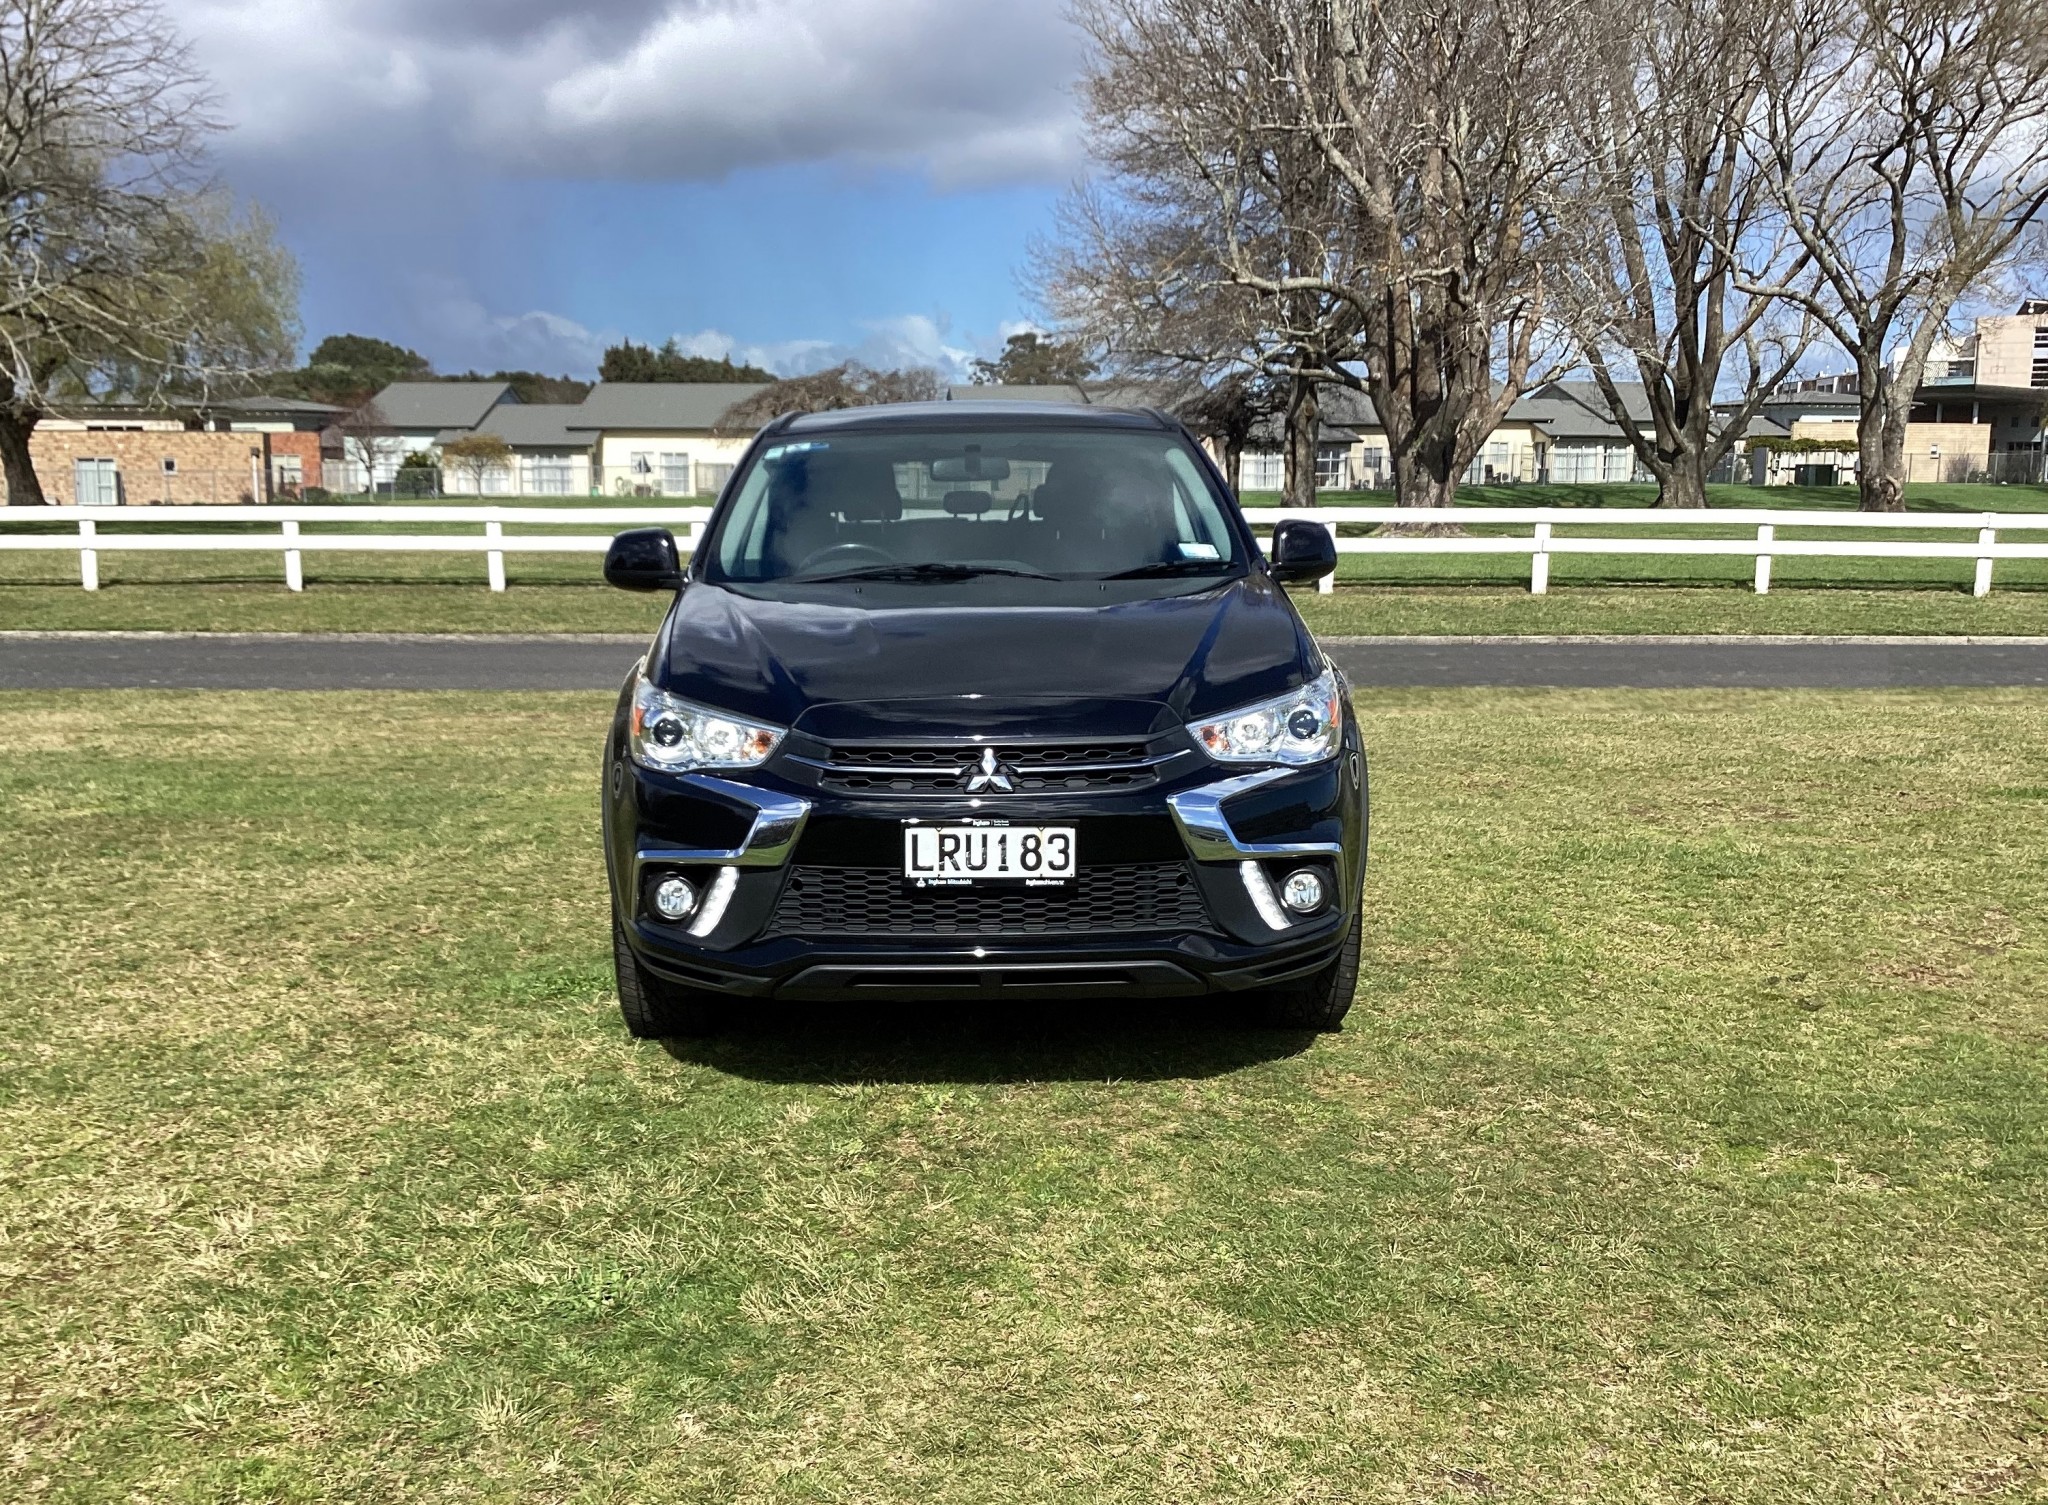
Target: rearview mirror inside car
{"points": [[644, 559], [1302, 550]]}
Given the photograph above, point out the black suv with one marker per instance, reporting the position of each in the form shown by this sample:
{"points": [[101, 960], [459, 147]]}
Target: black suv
{"points": [[981, 700]]}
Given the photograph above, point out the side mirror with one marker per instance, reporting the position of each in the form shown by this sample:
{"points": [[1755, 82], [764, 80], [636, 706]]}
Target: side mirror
{"points": [[644, 559], [1302, 550]]}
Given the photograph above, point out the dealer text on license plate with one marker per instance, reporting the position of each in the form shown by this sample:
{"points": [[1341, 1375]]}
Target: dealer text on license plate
{"points": [[950, 855]]}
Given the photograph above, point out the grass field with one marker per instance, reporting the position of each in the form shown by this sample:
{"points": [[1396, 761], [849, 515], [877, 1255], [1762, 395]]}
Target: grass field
{"points": [[1689, 1141], [1377, 594]]}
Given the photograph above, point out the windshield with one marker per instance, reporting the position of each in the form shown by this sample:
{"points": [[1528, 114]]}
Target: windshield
{"points": [[1063, 504]]}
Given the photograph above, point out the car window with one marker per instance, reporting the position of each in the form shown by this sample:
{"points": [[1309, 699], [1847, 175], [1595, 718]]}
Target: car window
{"points": [[1071, 504]]}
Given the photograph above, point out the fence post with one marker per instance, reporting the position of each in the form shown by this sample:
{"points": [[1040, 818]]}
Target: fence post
{"points": [[88, 559], [1539, 562], [1985, 538], [294, 566], [1764, 535], [1328, 584], [496, 556]]}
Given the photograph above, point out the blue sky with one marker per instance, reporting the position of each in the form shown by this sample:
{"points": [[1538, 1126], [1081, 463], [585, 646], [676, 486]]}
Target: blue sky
{"points": [[512, 183]]}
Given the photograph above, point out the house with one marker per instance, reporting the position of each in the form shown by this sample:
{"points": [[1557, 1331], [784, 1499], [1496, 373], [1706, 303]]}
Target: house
{"points": [[1569, 431], [662, 438], [551, 454], [217, 450], [407, 418], [1978, 414], [1561, 431], [1351, 448]]}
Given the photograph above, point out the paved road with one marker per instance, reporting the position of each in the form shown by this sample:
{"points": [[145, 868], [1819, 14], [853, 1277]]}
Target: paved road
{"points": [[289, 662]]}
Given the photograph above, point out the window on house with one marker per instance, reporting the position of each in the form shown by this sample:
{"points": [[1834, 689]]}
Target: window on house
{"points": [[1332, 466], [675, 475], [2040, 376], [96, 483], [1261, 470], [545, 475]]}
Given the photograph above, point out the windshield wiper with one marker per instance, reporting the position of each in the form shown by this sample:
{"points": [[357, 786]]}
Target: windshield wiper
{"points": [[1173, 567], [937, 569]]}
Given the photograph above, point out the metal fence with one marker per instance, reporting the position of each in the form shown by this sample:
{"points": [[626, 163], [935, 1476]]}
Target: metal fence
{"points": [[1540, 543]]}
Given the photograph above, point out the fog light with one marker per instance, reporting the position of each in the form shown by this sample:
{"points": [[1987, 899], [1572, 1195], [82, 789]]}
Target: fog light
{"points": [[1302, 891], [674, 898]]}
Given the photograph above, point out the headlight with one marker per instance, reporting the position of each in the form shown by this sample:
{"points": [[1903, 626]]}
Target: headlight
{"points": [[674, 734], [1305, 726]]}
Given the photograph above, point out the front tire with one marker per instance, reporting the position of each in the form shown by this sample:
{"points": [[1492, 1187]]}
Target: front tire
{"points": [[1322, 999], [653, 1007]]}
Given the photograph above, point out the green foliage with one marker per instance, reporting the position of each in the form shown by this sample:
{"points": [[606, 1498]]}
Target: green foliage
{"points": [[1787, 445], [348, 369], [1031, 360], [631, 362], [362, 352]]}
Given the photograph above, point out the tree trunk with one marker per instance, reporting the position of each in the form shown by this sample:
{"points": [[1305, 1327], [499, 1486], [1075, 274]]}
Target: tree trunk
{"points": [[1233, 461], [1881, 450], [23, 487], [1684, 484], [1304, 418], [1416, 484]]}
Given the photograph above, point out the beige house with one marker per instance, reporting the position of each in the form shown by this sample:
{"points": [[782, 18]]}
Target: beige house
{"points": [[2005, 350], [660, 438]]}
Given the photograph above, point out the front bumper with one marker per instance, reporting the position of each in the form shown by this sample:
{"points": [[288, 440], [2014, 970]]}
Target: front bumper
{"points": [[741, 840]]}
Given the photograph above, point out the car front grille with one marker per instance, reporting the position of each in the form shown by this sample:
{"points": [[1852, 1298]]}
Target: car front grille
{"points": [[1121, 898], [864, 768]]}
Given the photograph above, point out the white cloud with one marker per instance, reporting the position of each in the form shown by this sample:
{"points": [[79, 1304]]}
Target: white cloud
{"points": [[465, 335], [965, 91], [887, 344]]}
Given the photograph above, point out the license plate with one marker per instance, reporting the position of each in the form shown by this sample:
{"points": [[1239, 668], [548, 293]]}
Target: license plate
{"points": [[952, 856]]}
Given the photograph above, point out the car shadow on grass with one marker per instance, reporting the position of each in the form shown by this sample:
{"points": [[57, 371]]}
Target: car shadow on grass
{"points": [[1078, 1041]]}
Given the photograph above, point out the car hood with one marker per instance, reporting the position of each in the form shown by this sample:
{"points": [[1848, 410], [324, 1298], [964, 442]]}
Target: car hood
{"points": [[1125, 668]]}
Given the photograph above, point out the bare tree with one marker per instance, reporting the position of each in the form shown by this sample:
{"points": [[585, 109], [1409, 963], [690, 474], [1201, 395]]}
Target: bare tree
{"points": [[1444, 119], [1217, 251], [369, 441], [1381, 174], [1231, 411], [1907, 144], [1675, 207], [115, 253], [850, 385]]}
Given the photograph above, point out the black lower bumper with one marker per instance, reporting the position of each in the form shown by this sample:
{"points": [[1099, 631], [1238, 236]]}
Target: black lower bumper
{"points": [[1130, 966]]}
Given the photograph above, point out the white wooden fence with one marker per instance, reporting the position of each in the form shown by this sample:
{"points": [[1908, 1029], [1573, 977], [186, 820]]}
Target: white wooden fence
{"points": [[1543, 540], [493, 542], [1539, 543]]}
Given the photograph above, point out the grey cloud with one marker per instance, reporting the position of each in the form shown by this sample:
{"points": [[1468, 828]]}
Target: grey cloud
{"points": [[964, 90]]}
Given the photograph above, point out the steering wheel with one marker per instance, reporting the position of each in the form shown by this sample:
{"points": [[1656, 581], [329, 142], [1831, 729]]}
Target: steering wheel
{"points": [[851, 553]]}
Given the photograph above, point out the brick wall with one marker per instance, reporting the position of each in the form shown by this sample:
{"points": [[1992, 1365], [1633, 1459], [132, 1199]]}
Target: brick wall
{"points": [[305, 444], [211, 467]]}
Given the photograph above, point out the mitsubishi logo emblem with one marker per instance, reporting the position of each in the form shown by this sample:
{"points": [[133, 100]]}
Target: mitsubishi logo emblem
{"points": [[989, 774]]}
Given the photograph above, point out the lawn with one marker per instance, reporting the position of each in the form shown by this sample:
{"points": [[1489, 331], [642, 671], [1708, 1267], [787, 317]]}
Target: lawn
{"points": [[1689, 1141]]}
